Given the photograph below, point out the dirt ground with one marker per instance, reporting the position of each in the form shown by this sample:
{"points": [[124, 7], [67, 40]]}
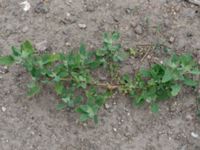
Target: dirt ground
{"points": [[60, 25]]}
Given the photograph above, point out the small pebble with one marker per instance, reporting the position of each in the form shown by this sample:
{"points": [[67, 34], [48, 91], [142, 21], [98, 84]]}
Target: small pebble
{"points": [[41, 7], [68, 14], [25, 29], [114, 129], [133, 24], [189, 117], [138, 30], [114, 103], [171, 39], [184, 147], [67, 44], [26, 5], [149, 56], [3, 109], [107, 106], [32, 132], [194, 135], [41, 46], [128, 10], [82, 26]]}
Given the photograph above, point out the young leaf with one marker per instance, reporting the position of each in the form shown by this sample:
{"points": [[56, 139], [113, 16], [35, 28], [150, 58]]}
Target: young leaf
{"points": [[33, 89], [61, 106], [101, 52], [82, 49], [95, 118], [68, 101], [16, 52], [6, 60], [59, 88], [115, 36], [195, 72], [84, 117], [175, 89], [27, 49], [120, 56], [154, 108], [50, 58], [167, 76], [189, 82], [106, 38]]}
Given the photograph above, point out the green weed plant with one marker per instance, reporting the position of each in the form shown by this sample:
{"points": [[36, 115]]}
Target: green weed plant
{"points": [[73, 76]]}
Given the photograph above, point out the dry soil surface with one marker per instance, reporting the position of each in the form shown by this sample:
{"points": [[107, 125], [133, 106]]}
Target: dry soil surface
{"points": [[60, 25]]}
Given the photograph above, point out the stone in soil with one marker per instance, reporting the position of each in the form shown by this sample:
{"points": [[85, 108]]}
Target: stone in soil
{"points": [[171, 39], [107, 106], [82, 26], [196, 2], [42, 46], [25, 29], [3, 108], [194, 135], [41, 7], [115, 129], [133, 24], [4, 69], [90, 7], [138, 30]]}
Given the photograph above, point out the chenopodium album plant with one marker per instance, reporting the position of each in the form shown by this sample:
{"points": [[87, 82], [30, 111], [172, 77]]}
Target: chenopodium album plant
{"points": [[73, 76]]}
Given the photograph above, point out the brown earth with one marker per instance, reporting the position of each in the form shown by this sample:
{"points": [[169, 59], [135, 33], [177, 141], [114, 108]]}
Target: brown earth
{"points": [[60, 25]]}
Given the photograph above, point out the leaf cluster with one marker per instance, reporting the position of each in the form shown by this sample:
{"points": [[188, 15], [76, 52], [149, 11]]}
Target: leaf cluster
{"points": [[161, 81], [70, 74]]}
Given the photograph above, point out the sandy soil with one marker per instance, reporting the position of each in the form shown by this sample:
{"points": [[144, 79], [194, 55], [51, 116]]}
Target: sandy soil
{"points": [[60, 25]]}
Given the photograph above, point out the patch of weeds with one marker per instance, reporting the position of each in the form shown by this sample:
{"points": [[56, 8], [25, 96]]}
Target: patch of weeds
{"points": [[73, 80]]}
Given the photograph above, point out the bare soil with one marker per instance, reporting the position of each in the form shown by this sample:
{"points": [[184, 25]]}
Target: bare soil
{"points": [[34, 124]]}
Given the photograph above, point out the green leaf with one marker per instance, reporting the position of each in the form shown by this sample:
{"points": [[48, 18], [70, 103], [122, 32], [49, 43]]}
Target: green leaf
{"points": [[115, 36], [6, 60], [115, 47], [195, 72], [61, 106], [86, 109], [106, 38], [145, 73], [82, 49], [68, 101], [59, 88], [50, 58], [95, 118], [84, 117], [190, 82], [101, 52], [27, 49], [167, 76], [16, 52], [175, 89], [154, 108], [33, 89], [120, 56]]}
